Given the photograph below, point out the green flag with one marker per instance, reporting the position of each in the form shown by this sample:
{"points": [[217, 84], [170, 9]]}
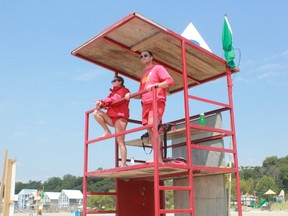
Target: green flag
{"points": [[227, 43]]}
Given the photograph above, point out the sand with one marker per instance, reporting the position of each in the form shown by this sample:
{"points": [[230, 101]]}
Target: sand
{"points": [[262, 213], [233, 213]]}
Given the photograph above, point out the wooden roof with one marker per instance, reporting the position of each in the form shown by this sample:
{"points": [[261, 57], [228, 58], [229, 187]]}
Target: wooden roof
{"points": [[117, 48]]}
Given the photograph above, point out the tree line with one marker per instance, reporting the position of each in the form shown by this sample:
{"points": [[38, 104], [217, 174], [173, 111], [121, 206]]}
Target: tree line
{"points": [[273, 174], [67, 182]]}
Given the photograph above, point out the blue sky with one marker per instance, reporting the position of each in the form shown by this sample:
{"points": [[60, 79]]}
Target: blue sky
{"points": [[45, 91]]}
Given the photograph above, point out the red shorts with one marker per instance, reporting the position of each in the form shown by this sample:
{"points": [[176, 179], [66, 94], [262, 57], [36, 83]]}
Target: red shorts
{"points": [[147, 112], [114, 119]]}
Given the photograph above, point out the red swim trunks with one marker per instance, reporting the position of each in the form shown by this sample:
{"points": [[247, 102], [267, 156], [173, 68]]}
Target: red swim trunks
{"points": [[147, 111], [114, 119]]}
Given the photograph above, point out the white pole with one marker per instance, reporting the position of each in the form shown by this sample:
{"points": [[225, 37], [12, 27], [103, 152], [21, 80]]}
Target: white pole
{"points": [[2, 180], [12, 192]]}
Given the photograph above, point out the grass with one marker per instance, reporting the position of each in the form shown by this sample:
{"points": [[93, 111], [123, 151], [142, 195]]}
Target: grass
{"points": [[279, 206]]}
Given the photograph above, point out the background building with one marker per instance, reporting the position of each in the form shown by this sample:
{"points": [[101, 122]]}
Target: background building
{"points": [[70, 198], [23, 197]]}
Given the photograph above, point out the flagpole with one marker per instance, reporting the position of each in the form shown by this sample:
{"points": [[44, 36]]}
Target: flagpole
{"points": [[227, 44], [229, 179]]}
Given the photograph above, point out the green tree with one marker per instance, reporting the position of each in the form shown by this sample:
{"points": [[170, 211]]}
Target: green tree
{"points": [[264, 184], [101, 185], [30, 185], [283, 161], [270, 161], [71, 182], [251, 172], [102, 202], [19, 186], [34, 185], [53, 184], [284, 176], [169, 200], [247, 186]]}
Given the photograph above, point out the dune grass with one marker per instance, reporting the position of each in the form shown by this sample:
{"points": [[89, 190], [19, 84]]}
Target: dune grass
{"points": [[279, 206]]}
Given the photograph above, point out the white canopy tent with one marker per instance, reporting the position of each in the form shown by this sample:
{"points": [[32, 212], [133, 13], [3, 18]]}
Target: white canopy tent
{"points": [[281, 195], [270, 192]]}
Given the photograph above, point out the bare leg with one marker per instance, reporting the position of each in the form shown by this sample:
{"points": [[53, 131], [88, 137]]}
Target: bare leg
{"points": [[120, 126], [103, 119], [150, 132]]}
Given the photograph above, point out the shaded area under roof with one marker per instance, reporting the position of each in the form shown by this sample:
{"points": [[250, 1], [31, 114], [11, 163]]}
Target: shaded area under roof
{"points": [[117, 49]]}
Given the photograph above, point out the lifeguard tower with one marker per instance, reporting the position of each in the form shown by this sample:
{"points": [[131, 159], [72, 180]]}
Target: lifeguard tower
{"points": [[199, 184]]}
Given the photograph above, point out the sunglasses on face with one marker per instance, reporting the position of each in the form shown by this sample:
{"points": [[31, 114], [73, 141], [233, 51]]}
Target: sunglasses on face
{"points": [[115, 80], [144, 55]]}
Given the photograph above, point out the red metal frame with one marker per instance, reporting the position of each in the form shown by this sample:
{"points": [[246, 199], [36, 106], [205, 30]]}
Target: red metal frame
{"points": [[187, 123], [190, 145]]}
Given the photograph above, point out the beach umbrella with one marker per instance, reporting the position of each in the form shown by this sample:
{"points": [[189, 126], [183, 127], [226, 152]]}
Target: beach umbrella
{"points": [[269, 192]]}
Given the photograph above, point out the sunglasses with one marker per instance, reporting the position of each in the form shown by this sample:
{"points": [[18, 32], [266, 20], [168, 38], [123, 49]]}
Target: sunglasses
{"points": [[144, 55], [115, 80]]}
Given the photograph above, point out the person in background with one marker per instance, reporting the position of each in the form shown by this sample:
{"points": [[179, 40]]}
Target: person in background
{"points": [[154, 76], [117, 114]]}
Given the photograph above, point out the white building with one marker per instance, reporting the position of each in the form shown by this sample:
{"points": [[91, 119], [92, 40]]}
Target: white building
{"points": [[70, 198], [51, 199], [15, 201], [23, 197]]}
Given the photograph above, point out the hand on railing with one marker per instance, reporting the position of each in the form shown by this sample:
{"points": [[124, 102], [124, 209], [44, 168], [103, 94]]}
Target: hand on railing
{"points": [[149, 87], [136, 95], [99, 104]]}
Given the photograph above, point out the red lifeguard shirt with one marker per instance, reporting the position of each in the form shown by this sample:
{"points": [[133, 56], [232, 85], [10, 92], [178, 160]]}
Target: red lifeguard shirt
{"points": [[119, 109], [153, 75]]}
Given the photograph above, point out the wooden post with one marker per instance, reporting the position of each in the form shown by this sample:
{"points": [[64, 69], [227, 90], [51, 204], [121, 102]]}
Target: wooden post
{"points": [[3, 179], [9, 188]]}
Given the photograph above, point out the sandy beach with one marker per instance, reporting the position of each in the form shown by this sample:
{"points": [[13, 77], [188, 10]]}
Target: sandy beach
{"points": [[262, 213], [233, 213]]}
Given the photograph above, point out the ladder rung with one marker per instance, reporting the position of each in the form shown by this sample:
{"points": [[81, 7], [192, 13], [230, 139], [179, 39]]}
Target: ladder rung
{"points": [[175, 187]]}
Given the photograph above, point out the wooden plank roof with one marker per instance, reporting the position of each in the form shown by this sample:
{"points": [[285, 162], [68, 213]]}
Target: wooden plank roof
{"points": [[117, 48]]}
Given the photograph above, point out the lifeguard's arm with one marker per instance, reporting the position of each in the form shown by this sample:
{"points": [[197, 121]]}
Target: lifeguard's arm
{"points": [[117, 96], [103, 102], [164, 84], [99, 104], [165, 80], [128, 96]]}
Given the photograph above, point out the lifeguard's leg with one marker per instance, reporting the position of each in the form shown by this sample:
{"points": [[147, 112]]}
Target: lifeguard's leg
{"points": [[103, 119], [150, 132], [120, 126]]}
